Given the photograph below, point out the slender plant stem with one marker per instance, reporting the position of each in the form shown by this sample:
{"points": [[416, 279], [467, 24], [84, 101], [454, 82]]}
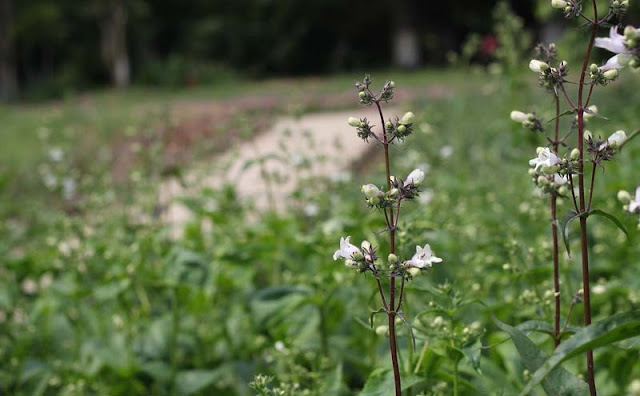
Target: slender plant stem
{"points": [[391, 311], [593, 180], [566, 96], [583, 219], [554, 237]]}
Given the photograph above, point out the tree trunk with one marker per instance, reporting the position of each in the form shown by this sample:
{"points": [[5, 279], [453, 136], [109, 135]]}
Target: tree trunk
{"points": [[405, 42], [114, 43], [8, 76]]}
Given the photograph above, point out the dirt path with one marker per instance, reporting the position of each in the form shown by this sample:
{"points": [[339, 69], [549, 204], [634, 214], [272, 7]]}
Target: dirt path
{"points": [[278, 152]]}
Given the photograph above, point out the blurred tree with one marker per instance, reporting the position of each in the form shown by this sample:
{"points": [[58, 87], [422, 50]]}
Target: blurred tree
{"points": [[8, 76], [406, 44], [112, 16]]}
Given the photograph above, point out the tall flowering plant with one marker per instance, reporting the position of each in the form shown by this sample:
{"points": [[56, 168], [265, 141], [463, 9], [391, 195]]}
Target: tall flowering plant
{"points": [[387, 199], [570, 173]]}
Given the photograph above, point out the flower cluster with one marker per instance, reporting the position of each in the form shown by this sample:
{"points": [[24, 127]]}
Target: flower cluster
{"points": [[400, 190], [363, 127], [604, 150], [528, 120], [550, 77], [571, 8], [364, 258]]}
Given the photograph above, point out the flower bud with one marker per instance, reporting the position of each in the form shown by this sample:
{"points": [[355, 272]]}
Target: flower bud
{"points": [[402, 128], [560, 4], [611, 74], [388, 125], [538, 66], [575, 154], [371, 191], [393, 193], [624, 196], [354, 122], [413, 271], [549, 170], [629, 31], [543, 181], [393, 259], [391, 84], [374, 201], [362, 94], [382, 330], [365, 245], [594, 68], [563, 190], [350, 263], [532, 171], [539, 150], [392, 179], [587, 135], [407, 118], [519, 116]]}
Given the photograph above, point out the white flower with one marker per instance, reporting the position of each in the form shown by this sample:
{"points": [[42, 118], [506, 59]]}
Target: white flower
{"points": [[519, 116], [616, 62], [545, 158], [614, 43], [538, 66], [346, 250], [423, 258], [56, 154], [354, 122], [371, 191], [415, 177], [446, 151], [559, 180], [615, 140], [634, 205]]}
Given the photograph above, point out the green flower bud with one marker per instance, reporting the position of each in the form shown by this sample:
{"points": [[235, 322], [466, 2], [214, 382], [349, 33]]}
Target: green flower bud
{"points": [[374, 201], [629, 31], [624, 196], [624, 3], [350, 263], [575, 154], [402, 129], [615, 3], [393, 259], [357, 256], [543, 181], [539, 150], [532, 171], [393, 193], [392, 84], [354, 122], [563, 190], [593, 68], [538, 66], [388, 125], [413, 271], [549, 170], [407, 118], [611, 74], [365, 245], [587, 135]]}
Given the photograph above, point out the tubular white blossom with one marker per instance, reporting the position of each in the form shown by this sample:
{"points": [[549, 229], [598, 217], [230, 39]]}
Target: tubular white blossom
{"points": [[545, 158], [371, 191], [615, 140], [614, 43], [423, 258], [346, 250], [538, 66], [415, 177]]}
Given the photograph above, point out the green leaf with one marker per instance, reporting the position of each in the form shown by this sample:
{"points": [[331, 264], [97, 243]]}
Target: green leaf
{"points": [[564, 227], [567, 112], [613, 329], [559, 381], [381, 383], [610, 217]]}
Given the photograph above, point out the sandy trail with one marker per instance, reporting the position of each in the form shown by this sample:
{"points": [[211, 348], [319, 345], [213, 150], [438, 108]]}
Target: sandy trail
{"points": [[282, 148]]}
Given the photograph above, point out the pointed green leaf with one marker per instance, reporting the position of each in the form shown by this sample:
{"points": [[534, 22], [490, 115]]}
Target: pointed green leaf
{"points": [[563, 224], [613, 329], [559, 381], [610, 217], [562, 115]]}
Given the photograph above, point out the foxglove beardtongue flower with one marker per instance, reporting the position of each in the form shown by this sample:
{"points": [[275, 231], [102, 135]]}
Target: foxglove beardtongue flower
{"points": [[354, 122], [561, 4], [346, 250], [415, 177], [538, 66], [615, 140], [614, 43], [423, 258], [546, 158], [407, 118]]}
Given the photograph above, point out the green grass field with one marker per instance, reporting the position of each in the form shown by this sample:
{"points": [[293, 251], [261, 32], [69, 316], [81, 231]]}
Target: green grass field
{"points": [[97, 299]]}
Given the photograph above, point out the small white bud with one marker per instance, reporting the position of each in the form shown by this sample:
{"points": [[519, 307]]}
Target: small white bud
{"points": [[402, 128], [575, 154], [393, 259], [611, 74], [407, 118], [414, 271], [587, 135], [519, 116], [624, 196], [354, 122], [561, 4], [362, 94], [539, 150], [382, 330], [538, 66], [371, 191], [365, 245], [563, 191]]}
